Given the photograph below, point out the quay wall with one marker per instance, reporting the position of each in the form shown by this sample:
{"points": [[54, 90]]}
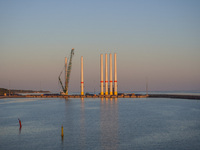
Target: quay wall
{"points": [[86, 96], [197, 97], [194, 97]]}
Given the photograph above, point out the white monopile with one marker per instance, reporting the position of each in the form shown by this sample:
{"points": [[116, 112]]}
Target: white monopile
{"points": [[115, 70], [111, 90], [106, 74], [101, 62], [82, 81]]}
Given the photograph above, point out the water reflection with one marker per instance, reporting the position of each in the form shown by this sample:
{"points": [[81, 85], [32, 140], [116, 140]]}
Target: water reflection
{"points": [[62, 138], [20, 128], [109, 124], [82, 125]]}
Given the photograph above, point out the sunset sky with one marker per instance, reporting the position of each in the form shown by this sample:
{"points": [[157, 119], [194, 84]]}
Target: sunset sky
{"points": [[154, 39]]}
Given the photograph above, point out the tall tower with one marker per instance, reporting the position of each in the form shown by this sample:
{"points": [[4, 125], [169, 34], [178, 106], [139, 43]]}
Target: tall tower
{"points": [[106, 74], [82, 81], [101, 62], [111, 86], [115, 70]]}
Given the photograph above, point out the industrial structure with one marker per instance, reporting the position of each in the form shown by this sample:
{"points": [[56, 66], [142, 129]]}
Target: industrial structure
{"points": [[101, 74], [67, 74], [82, 80], [110, 92], [111, 82], [110, 89], [115, 71], [106, 74]]}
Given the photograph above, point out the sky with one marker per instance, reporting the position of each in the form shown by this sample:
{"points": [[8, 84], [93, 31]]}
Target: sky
{"points": [[158, 40]]}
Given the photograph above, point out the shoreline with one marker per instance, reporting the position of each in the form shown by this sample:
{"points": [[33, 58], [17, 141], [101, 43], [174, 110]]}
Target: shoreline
{"points": [[193, 97]]}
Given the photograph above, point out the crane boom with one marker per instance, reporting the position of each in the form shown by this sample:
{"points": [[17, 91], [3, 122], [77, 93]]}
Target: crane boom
{"points": [[67, 74], [69, 70], [61, 84], [59, 79]]}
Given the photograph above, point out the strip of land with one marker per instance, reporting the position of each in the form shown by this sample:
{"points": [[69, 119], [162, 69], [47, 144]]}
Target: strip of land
{"points": [[194, 97], [197, 97], [4, 91]]}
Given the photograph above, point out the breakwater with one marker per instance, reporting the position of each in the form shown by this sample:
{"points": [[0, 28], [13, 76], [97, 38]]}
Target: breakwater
{"points": [[195, 97], [87, 96], [75, 96]]}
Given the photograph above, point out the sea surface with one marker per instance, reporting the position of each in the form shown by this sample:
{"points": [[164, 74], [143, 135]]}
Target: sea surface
{"points": [[100, 124]]}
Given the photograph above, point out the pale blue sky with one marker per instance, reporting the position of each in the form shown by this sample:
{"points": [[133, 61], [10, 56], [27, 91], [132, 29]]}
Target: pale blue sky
{"points": [[158, 39]]}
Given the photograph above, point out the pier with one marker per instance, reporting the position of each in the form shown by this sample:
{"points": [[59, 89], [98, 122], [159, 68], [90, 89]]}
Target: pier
{"points": [[86, 96], [197, 97], [192, 97]]}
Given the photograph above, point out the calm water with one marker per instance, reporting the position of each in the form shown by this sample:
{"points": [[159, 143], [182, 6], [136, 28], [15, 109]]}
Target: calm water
{"points": [[100, 124]]}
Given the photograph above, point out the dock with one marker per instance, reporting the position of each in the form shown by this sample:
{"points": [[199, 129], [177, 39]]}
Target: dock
{"points": [[74, 96], [86, 96], [192, 97]]}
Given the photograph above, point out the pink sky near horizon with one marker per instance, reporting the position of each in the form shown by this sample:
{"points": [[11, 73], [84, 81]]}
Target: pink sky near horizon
{"points": [[155, 40]]}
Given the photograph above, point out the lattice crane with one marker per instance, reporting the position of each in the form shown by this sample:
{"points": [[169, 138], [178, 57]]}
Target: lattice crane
{"points": [[67, 74]]}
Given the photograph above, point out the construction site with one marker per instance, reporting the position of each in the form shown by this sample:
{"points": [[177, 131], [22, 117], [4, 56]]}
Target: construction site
{"points": [[108, 87]]}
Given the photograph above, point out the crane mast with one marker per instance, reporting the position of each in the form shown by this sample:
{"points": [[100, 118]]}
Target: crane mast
{"points": [[67, 73]]}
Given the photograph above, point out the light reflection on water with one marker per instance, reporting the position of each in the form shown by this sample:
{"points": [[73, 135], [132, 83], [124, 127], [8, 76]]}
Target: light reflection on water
{"points": [[109, 124], [100, 124]]}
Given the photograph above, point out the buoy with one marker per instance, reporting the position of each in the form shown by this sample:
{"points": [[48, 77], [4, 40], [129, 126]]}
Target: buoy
{"points": [[20, 124], [62, 134]]}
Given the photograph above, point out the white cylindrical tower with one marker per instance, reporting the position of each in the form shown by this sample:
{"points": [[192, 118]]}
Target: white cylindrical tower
{"points": [[111, 86], [115, 71], [101, 62], [106, 74], [82, 81], [66, 75]]}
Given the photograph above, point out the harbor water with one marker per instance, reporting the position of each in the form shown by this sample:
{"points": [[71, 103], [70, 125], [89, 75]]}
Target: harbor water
{"points": [[100, 124]]}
